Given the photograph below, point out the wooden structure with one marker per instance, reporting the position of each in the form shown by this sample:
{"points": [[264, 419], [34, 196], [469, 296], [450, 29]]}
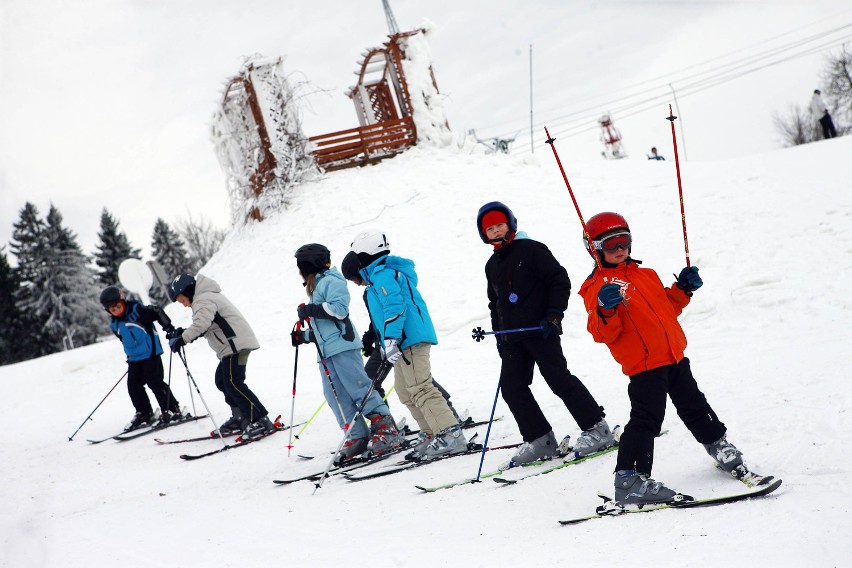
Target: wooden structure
{"points": [[383, 105]]}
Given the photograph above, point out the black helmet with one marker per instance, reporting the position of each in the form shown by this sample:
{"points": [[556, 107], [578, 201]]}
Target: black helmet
{"points": [[313, 258], [182, 284], [111, 295], [350, 266]]}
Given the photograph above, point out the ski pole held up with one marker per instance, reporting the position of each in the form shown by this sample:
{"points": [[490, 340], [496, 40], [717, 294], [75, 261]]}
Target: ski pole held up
{"points": [[89, 417], [671, 118], [189, 376], [296, 328], [479, 334]]}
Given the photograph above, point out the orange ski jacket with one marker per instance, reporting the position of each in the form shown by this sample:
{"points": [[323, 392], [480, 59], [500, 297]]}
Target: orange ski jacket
{"points": [[642, 332]]}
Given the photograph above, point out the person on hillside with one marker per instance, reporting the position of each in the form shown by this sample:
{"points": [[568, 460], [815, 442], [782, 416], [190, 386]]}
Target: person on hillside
{"points": [[636, 317], [339, 358], [349, 267], [230, 336], [527, 287], [405, 335], [820, 110], [133, 324], [654, 155]]}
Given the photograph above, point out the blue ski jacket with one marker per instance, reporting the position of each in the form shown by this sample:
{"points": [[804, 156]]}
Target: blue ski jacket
{"points": [[337, 334], [136, 331]]}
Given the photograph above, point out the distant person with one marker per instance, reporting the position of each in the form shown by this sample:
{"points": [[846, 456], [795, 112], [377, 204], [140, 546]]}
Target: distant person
{"points": [[527, 287], [230, 336], [632, 313], [821, 112], [654, 155], [133, 324]]}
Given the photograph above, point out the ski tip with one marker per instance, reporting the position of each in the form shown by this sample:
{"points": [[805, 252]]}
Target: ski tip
{"points": [[503, 481]]}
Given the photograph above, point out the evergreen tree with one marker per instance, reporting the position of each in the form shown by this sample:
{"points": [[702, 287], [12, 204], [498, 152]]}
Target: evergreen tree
{"points": [[64, 291], [29, 243], [10, 320], [114, 247], [169, 250]]}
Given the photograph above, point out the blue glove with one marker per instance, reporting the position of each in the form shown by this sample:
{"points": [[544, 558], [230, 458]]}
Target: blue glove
{"points": [[176, 342], [688, 280], [610, 296], [551, 326]]}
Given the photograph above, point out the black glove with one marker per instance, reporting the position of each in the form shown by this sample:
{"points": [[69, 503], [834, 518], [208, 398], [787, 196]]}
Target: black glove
{"points": [[176, 342], [610, 296], [307, 311], [174, 332], [551, 325], [299, 337], [369, 341], [688, 280]]}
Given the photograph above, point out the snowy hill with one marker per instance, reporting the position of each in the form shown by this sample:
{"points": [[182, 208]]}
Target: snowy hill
{"points": [[769, 341]]}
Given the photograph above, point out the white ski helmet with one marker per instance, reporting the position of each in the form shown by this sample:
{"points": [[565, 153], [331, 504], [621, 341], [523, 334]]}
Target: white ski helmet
{"points": [[372, 242]]}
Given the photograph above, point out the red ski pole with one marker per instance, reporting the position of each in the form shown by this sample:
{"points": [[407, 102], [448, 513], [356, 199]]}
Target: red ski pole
{"points": [[571, 193], [671, 118]]}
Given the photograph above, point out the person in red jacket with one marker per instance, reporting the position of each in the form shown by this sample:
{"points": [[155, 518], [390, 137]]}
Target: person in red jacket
{"points": [[631, 312]]}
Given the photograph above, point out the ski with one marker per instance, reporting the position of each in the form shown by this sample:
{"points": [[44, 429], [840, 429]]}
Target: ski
{"points": [[513, 480], [348, 465], [472, 448], [608, 510], [211, 436], [138, 433], [239, 442], [360, 462]]}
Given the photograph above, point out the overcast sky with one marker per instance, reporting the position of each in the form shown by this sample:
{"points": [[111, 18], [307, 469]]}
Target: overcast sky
{"points": [[107, 103]]}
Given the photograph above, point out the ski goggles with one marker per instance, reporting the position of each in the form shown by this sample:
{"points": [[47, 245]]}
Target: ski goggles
{"points": [[612, 243]]}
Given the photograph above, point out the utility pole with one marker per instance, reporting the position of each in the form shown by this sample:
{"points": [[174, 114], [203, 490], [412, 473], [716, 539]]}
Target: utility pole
{"points": [[532, 146], [392, 27]]}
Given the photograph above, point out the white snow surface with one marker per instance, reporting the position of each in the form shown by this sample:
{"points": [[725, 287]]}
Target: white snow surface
{"points": [[769, 339]]}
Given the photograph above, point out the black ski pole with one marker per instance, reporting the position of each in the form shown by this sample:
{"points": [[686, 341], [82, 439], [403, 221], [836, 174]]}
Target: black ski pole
{"points": [[71, 437], [297, 327], [380, 376], [207, 408], [487, 434]]}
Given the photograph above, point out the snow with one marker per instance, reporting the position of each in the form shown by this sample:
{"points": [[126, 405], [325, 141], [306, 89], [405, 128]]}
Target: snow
{"points": [[769, 343]]}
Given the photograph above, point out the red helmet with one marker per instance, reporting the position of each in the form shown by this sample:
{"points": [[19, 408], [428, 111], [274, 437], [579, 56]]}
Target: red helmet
{"points": [[606, 222]]}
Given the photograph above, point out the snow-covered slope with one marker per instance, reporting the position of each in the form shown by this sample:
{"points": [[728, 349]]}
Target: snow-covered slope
{"points": [[769, 341]]}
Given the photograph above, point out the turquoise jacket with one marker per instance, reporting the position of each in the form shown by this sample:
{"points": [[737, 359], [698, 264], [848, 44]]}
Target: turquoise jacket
{"points": [[397, 310]]}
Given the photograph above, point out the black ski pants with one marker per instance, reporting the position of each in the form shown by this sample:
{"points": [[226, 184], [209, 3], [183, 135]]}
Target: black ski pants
{"points": [[516, 375], [149, 372], [231, 380], [648, 391], [828, 130]]}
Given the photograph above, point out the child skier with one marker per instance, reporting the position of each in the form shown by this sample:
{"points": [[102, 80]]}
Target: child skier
{"points": [[340, 354], [349, 267], [230, 336], [133, 324], [528, 287], [405, 334], [636, 317]]}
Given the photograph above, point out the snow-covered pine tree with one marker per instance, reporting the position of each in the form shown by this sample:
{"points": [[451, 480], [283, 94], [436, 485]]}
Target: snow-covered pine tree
{"points": [[9, 313], [29, 243], [67, 289], [113, 248], [169, 250]]}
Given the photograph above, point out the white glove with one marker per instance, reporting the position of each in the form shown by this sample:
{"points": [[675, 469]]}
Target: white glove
{"points": [[391, 350]]}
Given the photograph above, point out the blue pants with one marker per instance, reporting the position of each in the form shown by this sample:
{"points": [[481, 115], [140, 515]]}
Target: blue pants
{"points": [[351, 385]]}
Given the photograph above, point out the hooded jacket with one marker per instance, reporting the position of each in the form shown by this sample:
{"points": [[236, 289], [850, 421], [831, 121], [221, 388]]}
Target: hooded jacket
{"points": [[525, 283], [218, 320], [397, 310], [337, 334], [136, 330], [642, 332]]}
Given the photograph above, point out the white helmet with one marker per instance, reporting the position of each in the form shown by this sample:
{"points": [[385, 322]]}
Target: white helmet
{"points": [[371, 242]]}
